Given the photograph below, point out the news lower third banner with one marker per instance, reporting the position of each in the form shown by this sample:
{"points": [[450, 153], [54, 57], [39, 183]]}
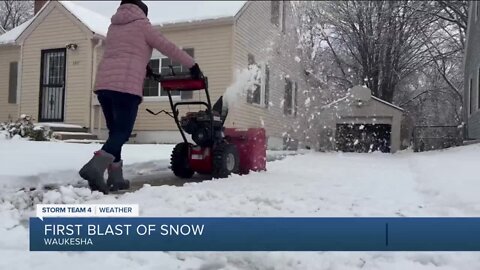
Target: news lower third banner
{"points": [[101, 230]]}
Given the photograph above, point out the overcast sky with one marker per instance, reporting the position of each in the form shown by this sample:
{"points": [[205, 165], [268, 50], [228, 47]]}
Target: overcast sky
{"points": [[168, 11]]}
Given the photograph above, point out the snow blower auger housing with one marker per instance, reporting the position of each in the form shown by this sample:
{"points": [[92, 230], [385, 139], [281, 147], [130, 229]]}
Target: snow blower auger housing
{"points": [[217, 151]]}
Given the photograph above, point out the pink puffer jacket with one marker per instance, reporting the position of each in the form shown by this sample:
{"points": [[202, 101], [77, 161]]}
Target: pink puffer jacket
{"points": [[128, 49]]}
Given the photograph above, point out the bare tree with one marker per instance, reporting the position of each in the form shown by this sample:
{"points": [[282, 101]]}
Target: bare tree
{"points": [[408, 52], [14, 12]]}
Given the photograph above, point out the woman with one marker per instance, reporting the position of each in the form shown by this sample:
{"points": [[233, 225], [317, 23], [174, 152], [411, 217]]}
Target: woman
{"points": [[119, 87]]}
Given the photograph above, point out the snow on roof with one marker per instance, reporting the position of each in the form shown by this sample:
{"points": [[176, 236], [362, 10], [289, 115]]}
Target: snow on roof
{"points": [[11, 36], [387, 103], [167, 12], [373, 97], [96, 22], [160, 12]]}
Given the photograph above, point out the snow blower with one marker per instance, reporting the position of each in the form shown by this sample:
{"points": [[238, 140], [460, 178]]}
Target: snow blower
{"points": [[218, 151]]}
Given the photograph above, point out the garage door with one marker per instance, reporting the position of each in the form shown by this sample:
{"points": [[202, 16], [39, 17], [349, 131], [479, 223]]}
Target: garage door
{"points": [[363, 138]]}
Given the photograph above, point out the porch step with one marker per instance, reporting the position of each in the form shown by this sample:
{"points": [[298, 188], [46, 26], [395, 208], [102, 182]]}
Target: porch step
{"points": [[65, 135], [61, 127], [469, 142], [85, 141]]}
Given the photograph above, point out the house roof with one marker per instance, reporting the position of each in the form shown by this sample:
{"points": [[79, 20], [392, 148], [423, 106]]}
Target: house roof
{"points": [[97, 23], [168, 12], [160, 12], [11, 36], [345, 98]]}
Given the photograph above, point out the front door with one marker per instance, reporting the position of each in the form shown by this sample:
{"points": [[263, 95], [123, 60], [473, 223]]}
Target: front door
{"points": [[52, 85]]}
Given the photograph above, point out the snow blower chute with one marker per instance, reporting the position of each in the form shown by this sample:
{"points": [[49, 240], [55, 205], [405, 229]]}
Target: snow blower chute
{"points": [[218, 151]]}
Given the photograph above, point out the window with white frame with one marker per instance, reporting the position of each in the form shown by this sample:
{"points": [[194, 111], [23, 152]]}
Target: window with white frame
{"points": [[163, 65], [259, 91]]}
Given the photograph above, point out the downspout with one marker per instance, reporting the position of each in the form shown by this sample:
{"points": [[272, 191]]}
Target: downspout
{"points": [[19, 81], [92, 84]]}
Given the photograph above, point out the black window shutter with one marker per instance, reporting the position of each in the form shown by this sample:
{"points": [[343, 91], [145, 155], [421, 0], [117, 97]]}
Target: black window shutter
{"points": [[287, 99], [275, 12], [188, 94], [12, 85], [267, 85], [478, 86], [295, 100]]}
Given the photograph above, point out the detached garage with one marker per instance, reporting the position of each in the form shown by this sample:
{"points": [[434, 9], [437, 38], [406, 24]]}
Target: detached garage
{"points": [[360, 123]]}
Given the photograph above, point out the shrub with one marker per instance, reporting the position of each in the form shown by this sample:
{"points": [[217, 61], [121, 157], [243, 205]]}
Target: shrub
{"points": [[25, 128]]}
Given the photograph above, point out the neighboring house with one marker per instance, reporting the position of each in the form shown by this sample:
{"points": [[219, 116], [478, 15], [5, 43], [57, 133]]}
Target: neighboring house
{"points": [[49, 63], [472, 73], [358, 122]]}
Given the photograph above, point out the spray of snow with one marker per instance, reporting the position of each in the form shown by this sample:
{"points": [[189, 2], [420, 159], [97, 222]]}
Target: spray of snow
{"points": [[307, 102], [245, 79]]}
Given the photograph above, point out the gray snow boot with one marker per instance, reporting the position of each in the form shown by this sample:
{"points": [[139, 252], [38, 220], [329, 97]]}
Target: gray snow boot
{"points": [[94, 170], [115, 179]]}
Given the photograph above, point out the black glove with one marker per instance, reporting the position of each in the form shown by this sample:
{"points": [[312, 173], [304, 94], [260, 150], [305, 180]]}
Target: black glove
{"points": [[149, 72], [196, 72]]}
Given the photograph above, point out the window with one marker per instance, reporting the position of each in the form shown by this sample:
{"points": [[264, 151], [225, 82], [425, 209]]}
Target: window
{"points": [[161, 64], [150, 87], [259, 92], [288, 98], [12, 84], [470, 96]]}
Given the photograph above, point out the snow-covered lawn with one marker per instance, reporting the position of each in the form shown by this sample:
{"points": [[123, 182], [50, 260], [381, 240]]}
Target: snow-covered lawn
{"points": [[441, 183]]}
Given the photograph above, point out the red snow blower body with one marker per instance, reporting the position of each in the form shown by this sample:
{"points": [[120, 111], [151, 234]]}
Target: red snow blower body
{"points": [[217, 151]]}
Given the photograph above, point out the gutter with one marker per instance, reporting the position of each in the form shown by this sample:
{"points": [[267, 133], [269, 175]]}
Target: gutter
{"points": [[465, 105], [19, 81], [195, 24], [92, 82]]}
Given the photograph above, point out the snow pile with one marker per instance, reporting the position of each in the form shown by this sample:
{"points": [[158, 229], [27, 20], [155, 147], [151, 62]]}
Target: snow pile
{"points": [[440, 183], [30, 164]]}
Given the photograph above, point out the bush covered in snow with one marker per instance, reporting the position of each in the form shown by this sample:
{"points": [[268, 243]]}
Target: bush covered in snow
{"points": [[25, 128]]}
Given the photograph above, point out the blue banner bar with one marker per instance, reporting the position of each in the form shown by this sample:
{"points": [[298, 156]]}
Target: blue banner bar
{"points": [[255, 234]]}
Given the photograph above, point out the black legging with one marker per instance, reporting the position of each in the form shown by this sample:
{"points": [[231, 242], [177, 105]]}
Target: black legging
{"points": [[120, 110]]}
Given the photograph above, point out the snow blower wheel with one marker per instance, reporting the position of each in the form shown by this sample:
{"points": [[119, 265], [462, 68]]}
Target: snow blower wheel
{"points": [[179, 161], [225, 160]]}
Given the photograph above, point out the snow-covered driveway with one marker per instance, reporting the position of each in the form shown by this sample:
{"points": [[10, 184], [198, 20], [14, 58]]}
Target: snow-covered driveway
{"points": [[442, 183]]}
